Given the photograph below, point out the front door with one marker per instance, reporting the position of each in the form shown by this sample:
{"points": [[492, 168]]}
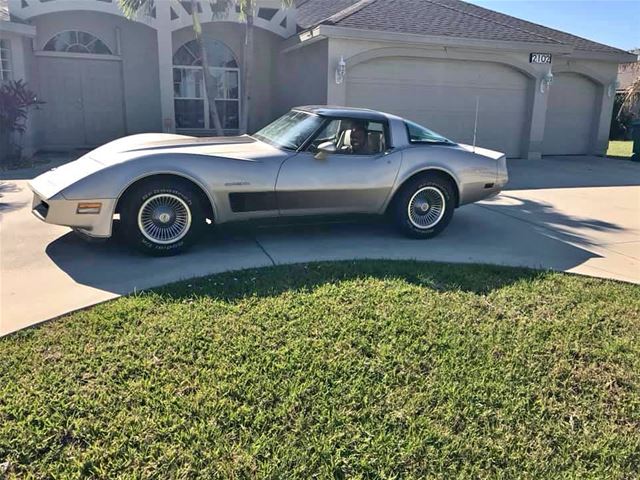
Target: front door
{"points": [[83, 101], [62, 113], [102, 101], [356, 178]]}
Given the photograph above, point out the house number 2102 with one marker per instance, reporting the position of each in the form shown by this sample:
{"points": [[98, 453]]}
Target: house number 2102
{"points": [[539, 58]]}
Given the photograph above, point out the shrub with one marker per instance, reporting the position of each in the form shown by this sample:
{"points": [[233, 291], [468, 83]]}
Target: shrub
{"points": [[15, 101]]}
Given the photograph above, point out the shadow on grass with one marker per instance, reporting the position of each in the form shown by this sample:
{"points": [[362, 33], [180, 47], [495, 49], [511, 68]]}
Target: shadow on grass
{"points": [[273, 281]]}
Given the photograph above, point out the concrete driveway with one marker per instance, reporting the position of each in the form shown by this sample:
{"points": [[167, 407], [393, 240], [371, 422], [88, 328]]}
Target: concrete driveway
{"points": [[573, 214]]}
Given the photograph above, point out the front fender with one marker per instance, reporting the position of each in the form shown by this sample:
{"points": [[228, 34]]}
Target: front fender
{"points": [[212, 174]]}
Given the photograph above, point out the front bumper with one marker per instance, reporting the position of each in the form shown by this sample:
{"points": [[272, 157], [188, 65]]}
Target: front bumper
{"points": [[57, 210]]}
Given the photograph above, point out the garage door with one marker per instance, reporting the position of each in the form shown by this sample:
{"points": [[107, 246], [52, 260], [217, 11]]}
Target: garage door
{"points": [[570, 114], [441, 94], [84, 103]]}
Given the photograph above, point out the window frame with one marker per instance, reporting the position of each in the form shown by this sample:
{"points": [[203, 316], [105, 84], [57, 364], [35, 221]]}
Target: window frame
{"points": [[95, 39], [5, 49], [328, 119], [208, 124], [418, 142]]}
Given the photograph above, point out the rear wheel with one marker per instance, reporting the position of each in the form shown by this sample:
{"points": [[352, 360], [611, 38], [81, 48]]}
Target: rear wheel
{"points": [[161, 219], [424, 207]]}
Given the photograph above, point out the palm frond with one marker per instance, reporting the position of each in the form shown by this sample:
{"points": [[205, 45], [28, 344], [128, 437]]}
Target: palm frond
{"points": [[135, 8], [631, 99]]}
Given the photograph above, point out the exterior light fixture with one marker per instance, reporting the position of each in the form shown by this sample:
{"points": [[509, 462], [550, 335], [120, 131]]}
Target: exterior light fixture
{"points": [[341, 71], [546, 82], [613, 87]]}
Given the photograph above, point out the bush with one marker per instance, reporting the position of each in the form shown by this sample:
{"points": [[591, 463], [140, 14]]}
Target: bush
{"points": [[15, 101], [620, 121]]}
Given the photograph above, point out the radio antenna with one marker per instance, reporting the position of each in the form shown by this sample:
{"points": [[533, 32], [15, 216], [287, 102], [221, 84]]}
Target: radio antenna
{"points": [[475, 125]]}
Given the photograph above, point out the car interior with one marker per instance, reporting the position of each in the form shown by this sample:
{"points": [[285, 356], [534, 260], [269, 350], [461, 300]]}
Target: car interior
{"points": [[341, 133]]}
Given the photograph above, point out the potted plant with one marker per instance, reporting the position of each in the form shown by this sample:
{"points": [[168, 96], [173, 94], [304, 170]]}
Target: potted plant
{"points": [[15, 101]]}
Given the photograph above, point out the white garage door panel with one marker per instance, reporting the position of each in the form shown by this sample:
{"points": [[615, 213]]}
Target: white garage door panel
{"points": [[570, 114], [441, 94]]}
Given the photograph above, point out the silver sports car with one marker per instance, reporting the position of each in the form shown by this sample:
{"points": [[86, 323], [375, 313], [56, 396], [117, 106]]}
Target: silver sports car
{"points": [[312, 161]]}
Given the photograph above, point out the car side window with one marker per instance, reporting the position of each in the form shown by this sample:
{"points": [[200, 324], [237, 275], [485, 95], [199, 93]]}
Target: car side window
{"points": [[352, 137], [419, 134]]}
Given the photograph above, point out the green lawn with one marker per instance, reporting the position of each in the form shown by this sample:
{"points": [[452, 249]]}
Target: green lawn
{"points": [[337, 370], [618, 148]]}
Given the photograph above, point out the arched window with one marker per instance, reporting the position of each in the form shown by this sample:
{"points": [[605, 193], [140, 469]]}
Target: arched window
{"points": [[191, 103], [75, 41]]}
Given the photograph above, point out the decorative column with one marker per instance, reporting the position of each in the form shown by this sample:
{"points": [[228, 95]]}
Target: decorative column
{"points": [[606, 97], [165, 64], [538, 113]]}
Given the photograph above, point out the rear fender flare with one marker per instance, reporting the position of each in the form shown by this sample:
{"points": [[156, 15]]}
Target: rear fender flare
{"points": [[408, 175]]}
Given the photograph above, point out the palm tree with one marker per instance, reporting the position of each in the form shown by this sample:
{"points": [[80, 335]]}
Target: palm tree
{"points": [[132, 8], [247, 12], [631, 99]]}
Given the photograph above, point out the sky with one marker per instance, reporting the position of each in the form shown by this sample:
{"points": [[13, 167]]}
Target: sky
{"points": [[612, 22]]}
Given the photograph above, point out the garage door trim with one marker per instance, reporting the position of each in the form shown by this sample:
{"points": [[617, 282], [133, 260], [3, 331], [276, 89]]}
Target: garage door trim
{"points": [[368, 55]]}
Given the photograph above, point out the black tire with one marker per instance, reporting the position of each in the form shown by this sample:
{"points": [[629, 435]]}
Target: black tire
{"points": [[430, 187], [183, 195]]}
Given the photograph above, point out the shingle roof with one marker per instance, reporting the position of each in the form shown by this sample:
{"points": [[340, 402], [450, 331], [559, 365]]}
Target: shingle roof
{"points": [[453, 18], [312, 12]]}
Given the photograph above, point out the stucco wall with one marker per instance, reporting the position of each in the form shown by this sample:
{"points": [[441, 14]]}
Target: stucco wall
{"points": [[302, 77], [139, 59], [263, 76]]}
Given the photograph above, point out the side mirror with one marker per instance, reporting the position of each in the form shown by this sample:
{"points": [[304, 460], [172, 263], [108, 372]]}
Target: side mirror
{"points": [[325, 149]]}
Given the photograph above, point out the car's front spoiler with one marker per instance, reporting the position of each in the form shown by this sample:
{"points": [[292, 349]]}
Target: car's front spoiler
{"points": [[57, 210]]}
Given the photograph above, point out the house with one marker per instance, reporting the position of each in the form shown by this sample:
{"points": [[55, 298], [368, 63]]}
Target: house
{"points": [[537, 91]]}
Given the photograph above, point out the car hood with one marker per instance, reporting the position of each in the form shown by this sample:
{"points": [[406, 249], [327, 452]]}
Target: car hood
{"points": [[244, 148], [136, 146]]}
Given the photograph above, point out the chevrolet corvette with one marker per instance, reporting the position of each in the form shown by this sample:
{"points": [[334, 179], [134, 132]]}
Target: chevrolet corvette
{"points": [[314, 160]]}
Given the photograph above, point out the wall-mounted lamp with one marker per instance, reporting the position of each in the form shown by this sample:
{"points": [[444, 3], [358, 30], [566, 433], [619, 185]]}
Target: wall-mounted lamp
{"points": [[613, 87], [546, 82], [341, 71]]}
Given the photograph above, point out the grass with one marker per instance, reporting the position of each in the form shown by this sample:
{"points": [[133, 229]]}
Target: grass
{"points": [[619, 148], [366, 369]]}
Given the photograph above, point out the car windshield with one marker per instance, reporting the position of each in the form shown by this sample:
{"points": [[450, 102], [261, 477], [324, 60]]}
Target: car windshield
{"points": [[420, 134], [291, 130]]}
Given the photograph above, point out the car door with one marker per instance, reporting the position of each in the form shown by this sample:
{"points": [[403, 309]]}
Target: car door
{"points": [[346, 181]]}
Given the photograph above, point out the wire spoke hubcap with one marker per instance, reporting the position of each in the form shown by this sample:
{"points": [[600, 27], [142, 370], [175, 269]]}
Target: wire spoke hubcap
{"points": [[426, 208], [164, 218]]}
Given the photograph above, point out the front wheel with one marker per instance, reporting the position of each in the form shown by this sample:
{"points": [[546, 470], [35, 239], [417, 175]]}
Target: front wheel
{"points": [[162, 220], [424, 206]]}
